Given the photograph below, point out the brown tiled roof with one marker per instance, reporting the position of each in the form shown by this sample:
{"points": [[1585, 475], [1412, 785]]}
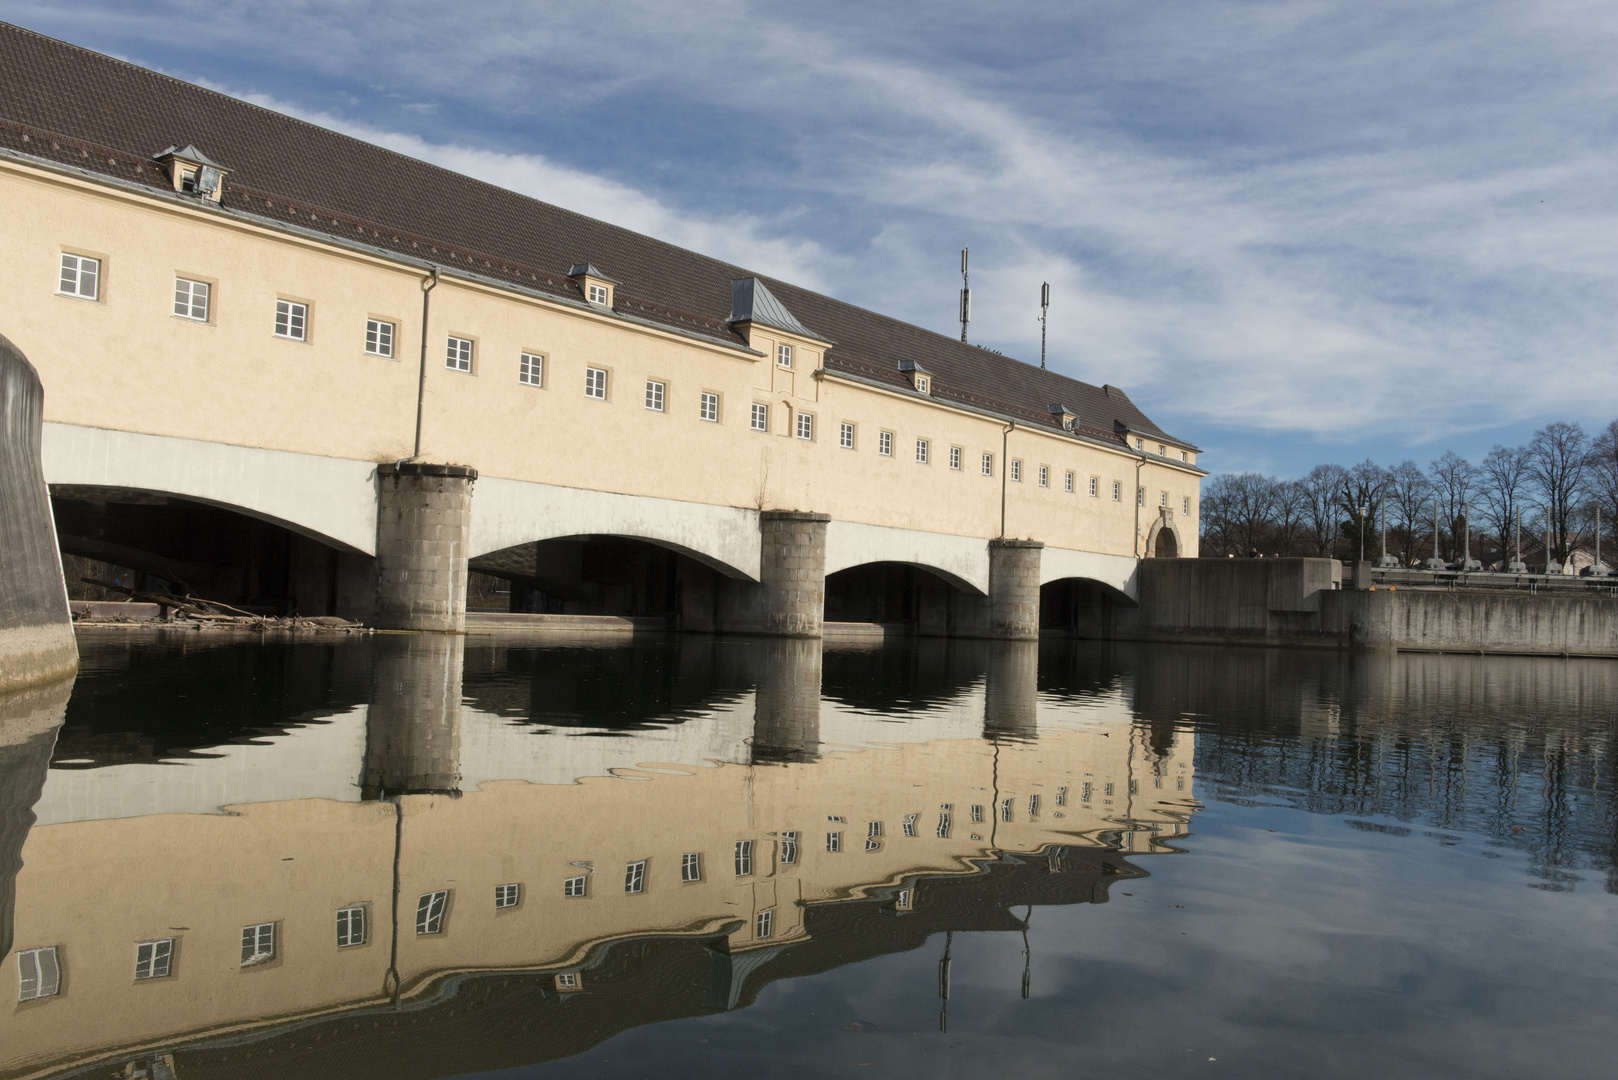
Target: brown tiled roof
{"points": [[90, 111]]}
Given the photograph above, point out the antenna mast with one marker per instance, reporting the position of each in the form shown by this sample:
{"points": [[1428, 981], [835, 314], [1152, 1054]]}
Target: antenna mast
{"points": [[966, 295], [1044, 310]]}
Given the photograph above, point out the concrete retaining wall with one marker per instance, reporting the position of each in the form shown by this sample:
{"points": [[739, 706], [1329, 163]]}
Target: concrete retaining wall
{"points": [[1412, 620], [36, 631], [1219, 600]]}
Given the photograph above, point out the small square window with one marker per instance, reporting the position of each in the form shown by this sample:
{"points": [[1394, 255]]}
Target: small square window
{"points": [[350, 926], [884, 444], [654, 395], [531, 369], [955, 458], [635, 877], [458, 355], [567, 980], [599, 294], [691, 866], [1185, 505], [1044, 476], [761, 417], [1117, 491], [191, 299], [39, 973], [575, 886], [744, 858], [921, 451], [922, 384], [1016, 471], [845, 436], [709, 408], [430, 912], [258, 944], [1067, 483], [988, 464], [806, 426], [152, 958], [595, 384], [783, 355], [834, 841], [81, 278], [764, 924], [507, 896], [291, 320], [1095, 486], [378, 337]]}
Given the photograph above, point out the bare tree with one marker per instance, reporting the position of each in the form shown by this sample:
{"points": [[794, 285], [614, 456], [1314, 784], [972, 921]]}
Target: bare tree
{"points": [[1602, 477], [1454, 483], [1361, 490], [1321, 488], [1408, 500], [1291, 516], [1503, 483], [1559, 458], [1251, 509]]}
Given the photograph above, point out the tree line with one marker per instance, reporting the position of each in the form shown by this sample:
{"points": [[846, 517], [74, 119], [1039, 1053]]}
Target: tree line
{"points": [[1561, 483]]}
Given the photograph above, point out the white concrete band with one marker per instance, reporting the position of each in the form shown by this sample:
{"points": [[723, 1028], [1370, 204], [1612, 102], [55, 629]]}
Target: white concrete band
{"points": [[1116, 571], [963, 561]]}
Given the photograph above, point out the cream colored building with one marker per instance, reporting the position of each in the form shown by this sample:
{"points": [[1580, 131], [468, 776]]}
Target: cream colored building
{"points": [[258, 340]]}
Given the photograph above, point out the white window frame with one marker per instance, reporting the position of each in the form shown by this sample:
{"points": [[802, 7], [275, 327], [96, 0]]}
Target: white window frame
{"points": [[834, 842], [39, 973], [531, 369], [922, 383], [1185, 506], [292, 320], [635, 877], [595, 383], [955, 458], [71, 277], [351, 928], [923, 451], [1162, 451], [805, 426], [508, 895], [1007, 809], [458, 352], [783, 355], [1044, 476], [185, 306], [1095, 487], [153, 959], [946, 821], [691, 866], [977, 813], [258, 944], [1163, 500], [599, 294], [884, 444], [760, 420], [744, 858], [1016, 470], [576, 887], [845, 435], [656, 394], [764, 924], [910, 824], [1033, 806], [431, 908], [987, 466], [567, 980], [1067, 483], [789, 847], [902, 901], [1140, 496], [1117, 491], [1139, 445], [708, 407], [379, 335]]}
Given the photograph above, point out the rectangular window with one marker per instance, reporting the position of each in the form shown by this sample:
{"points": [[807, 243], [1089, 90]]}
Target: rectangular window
{"points": [[834, 841], [1162, 451], [1163, 499], [761, 417], [955, 458], [922, 384], [574, 886], [1095, 486], [944, 821], [789, 847], [783, 355], [845, 436], [1117, 491], [430, 912], [81, 277], [567, 980], [806, 426], [691, 866], [635, 877], [531, 369], [258, 944], [709, 410], [152, 958], [1005, 809], [507, 895], [1140, 496], [1185, 506], [458, 354], [1184, 456], [764, 925], [1138, 445], [291, 320], [191, 299], [910, 824], [921, 451], [1044, 476], [744, 858], [884, 444], [1016, 471], [1067, 483], [350, 926], [654, 395], [595, 383], [38, 973], [598, 294], [988, 464], [378, 337], [977, 814]]}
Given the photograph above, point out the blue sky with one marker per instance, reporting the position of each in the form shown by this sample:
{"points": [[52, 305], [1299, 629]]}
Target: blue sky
{"points": [[1293, 231]]}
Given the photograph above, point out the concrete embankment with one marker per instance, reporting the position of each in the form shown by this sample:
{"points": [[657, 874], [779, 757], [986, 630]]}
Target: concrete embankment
{"points": [[36, 631]]}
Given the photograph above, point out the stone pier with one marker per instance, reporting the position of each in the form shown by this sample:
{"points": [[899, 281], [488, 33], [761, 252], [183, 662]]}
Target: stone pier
{"points": [[792, 573], [1014, 589], [424, 520]]}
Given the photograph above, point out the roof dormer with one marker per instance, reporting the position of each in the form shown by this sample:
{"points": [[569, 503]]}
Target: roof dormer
{"points": [[193, 172], [921, 380], [1064, 416], [752, 304], [598, 287]]}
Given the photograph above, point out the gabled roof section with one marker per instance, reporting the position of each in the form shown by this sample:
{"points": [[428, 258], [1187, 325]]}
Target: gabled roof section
{"points": [[187, 153], [752, 301], [588, 270]]}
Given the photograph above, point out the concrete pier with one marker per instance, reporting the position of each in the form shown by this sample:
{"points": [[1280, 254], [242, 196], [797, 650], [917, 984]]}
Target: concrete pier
{"points": [[1014, 589], [792, 573], [424, 519]]}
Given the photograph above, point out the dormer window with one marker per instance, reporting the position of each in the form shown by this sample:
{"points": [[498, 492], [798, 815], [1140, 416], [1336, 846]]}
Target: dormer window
{"points": [[783, 355], [923, 384], [193, 173], [921, 380], [1063, 415], [1139, 445], [599, 294], [1162, 451], [596, 286]]}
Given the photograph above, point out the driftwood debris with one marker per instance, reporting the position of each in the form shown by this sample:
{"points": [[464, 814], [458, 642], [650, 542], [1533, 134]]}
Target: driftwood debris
{"points": [[203, 612]]}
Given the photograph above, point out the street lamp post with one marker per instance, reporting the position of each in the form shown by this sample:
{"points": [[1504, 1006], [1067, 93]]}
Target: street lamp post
{"points": [[1363, 511]]}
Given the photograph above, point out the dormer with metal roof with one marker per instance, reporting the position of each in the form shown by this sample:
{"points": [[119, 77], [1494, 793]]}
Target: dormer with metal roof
{"points": [[752, 304], [1063, 415], [597, 287], [921, 380], [193, 172]]}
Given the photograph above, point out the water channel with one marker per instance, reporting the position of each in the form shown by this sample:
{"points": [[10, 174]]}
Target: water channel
{"points": [[421, 857]]}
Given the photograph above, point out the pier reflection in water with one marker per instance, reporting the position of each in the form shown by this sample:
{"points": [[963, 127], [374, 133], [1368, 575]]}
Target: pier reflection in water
{"points": [[458, 857]]}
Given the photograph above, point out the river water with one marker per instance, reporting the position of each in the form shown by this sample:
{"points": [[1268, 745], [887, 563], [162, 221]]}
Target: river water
{"points": [[421, 857]]}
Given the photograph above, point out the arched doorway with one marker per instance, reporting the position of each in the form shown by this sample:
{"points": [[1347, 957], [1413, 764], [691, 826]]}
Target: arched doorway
{"points": [[1166, 548]]}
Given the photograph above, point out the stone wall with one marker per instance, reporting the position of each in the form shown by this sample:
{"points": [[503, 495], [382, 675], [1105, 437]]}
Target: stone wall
{"points": [[1437, 621], [36, 631], [424, 520]]}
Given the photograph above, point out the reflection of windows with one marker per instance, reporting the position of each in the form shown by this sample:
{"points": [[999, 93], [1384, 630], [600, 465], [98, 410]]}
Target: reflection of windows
{"points": [[1005, 809], [1084, 793], [764, 926], [430, 912], [744, 858], [910, 824], [1033, 806], [835, 817], [350, 926], [834, 841], [152, 958], [789, 847], [1134, 787], [258, 943], [1106, 789], [507, 895], [635, 877], [873, 836], [1061, 796], [574, 886], [567, 980], [38, 973], [944, 821], [977, 814], [873, 828], [902, 901], [691, 866]]}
